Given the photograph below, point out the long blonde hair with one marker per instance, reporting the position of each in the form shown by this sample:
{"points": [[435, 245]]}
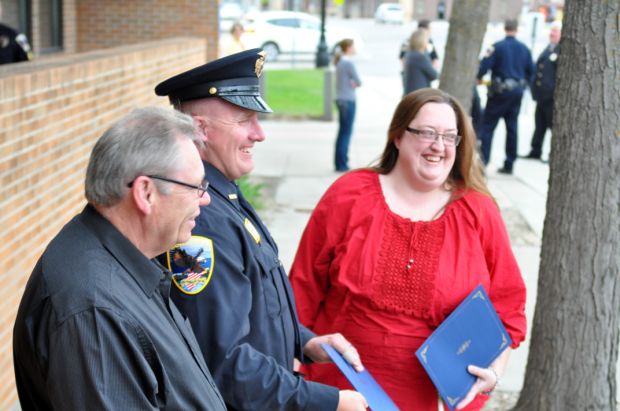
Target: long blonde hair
{"points": [[467, 171], [342, 48]]}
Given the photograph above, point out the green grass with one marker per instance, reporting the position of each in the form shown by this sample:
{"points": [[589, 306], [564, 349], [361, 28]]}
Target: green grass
{"points": [[253, 192], [295, 92]]}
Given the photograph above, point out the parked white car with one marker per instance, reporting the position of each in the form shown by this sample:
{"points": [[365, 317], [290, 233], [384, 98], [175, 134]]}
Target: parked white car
{"points": [[286, 32], [389, 13]]}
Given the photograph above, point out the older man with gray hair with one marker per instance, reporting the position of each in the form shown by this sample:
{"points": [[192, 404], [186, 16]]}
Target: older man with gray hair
{"points": [[96, 328]]}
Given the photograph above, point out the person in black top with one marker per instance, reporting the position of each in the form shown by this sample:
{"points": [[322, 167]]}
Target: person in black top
{"points": [[543, 88], [511, 66], [241, 305], [96, 328], [14, 46]]}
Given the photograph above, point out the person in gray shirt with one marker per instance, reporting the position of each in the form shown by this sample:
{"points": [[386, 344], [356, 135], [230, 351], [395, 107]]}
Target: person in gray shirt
{"points": [[96, 329], [347, 80], [418, 71]]}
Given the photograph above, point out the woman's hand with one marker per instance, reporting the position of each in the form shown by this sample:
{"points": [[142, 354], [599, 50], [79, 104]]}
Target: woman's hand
{"points": [[486, 382], [316, 353]]}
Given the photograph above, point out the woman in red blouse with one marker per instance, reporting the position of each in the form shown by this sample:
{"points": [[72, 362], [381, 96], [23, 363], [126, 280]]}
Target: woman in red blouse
{"points": [[390, 251]]}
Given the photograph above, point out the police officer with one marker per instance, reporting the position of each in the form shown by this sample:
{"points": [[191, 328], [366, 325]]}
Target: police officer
{"points": [[240, 303], [14, 46], [543, 87], [510, 62]]}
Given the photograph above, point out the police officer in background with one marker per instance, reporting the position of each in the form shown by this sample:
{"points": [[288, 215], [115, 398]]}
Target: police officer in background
{"points": [[510, 62], [14, 46], [240, 303], [543, 87]]}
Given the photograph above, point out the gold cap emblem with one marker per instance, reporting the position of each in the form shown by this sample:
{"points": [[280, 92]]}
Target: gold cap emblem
{"points": [[212, 90], [260, 61]]}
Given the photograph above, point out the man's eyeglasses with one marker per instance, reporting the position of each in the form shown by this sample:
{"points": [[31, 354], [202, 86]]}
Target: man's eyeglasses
{"points": [[431, 136], [200, 190]]}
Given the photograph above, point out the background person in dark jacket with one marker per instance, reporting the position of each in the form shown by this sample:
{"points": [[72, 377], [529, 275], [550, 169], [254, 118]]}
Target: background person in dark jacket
{"points": [[543, 87], [418, 70], [14, 46], [511, 66]]}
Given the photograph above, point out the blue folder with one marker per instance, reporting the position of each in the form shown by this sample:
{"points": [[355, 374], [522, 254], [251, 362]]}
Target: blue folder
{"points": [[472, 334], [363, 382]]}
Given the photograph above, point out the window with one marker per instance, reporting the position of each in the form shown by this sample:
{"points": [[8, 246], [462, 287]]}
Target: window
{"points": [[50, 22]]}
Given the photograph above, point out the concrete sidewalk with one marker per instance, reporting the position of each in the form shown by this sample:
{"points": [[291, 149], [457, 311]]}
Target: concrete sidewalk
{"points": [[298, 158]]}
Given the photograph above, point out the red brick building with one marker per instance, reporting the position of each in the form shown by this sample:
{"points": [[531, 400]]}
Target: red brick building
{"points": [[94, 60]]}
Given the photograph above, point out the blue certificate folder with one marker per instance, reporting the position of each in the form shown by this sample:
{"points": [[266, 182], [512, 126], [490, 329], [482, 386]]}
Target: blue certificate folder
{"points": [[472, 334], [363, 382]]}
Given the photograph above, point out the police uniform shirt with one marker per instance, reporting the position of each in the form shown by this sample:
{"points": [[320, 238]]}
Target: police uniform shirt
{"points": [[10, 49], [244, 315], [508, 59], [96, 330], [543, 85]]}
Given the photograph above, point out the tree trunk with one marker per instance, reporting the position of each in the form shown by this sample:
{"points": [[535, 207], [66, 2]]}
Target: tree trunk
{"points": [[574, 344], [468, 23]]}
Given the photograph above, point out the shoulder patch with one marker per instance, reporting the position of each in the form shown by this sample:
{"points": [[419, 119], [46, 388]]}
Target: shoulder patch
{"points": [[191, 264], [490, 51]]}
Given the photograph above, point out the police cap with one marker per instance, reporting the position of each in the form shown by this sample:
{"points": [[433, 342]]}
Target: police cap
{"points": [[233, 78]]}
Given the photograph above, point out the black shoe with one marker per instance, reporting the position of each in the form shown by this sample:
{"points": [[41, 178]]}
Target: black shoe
{"points": [[531, 156], [505, 170]]}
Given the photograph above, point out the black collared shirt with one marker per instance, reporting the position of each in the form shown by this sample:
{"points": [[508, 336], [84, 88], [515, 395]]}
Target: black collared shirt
{"points": [[96, 330]]}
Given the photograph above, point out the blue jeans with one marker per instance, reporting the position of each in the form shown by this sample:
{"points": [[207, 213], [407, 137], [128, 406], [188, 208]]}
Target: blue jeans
{"points": [[346, 115]]}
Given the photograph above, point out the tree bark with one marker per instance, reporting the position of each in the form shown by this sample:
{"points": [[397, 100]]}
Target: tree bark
{"points": [[468, 24], [574, 345]]}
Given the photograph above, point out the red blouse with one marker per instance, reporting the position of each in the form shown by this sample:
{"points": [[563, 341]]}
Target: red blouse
{"points": [[386, 282]]}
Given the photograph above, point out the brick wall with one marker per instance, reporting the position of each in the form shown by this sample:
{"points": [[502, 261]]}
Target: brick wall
{"points": [[109, 23], [51, 113]]}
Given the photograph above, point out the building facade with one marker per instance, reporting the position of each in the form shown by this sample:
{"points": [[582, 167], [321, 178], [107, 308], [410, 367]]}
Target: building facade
{"points": [[93, 61]]}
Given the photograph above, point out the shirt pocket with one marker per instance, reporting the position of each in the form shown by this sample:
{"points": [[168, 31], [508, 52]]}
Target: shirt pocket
{"points": [[272, 289]]}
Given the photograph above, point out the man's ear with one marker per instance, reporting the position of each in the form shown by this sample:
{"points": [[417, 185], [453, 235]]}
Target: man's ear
{"points": [[202, 127], [142, 192]]}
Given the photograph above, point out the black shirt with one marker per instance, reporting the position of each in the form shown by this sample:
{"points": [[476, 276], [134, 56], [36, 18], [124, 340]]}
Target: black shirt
{"points": [[96, 330], [11, 51]]}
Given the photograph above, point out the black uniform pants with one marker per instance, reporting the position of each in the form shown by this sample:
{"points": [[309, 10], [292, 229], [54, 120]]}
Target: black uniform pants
{"points": [[543, 118], [507, 106]]}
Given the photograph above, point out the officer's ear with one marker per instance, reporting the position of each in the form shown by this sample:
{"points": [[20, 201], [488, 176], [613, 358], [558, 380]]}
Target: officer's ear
{"points": [[202, 126]]}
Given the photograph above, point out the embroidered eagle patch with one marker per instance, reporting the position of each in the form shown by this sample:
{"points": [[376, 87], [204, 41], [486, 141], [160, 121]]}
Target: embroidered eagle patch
{"points": [[191, 264]]}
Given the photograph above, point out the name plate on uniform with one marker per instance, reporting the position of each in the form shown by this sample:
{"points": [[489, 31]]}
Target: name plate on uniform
{"points": [[472, 335]]}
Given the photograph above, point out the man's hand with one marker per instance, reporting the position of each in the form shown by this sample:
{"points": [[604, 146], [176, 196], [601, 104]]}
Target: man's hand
{"points": [[314, 351], [351, 401]]}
